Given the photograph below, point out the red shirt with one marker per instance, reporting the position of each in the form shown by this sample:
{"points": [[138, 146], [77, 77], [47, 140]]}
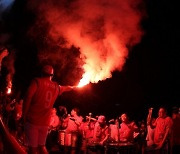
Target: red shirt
{"points": [[162, 124], [43, 93], [100, 132], [72, 126], [126, 131]]}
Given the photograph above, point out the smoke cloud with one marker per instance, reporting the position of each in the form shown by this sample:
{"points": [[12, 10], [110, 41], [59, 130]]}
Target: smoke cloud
{"points": [[102, 30]]}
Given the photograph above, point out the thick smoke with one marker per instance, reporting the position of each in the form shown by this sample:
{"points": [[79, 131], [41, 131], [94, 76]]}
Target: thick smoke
{"points": [[103, 30]]}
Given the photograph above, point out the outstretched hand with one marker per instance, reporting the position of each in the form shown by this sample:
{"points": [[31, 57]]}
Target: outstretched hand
{"points": [[74, 87]]}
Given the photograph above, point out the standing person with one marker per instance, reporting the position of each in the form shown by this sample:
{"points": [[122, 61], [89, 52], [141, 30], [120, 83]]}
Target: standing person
{"points": [[38, 103], [54, 121], [100, 130], [127, 129], [163, 128], [162, 133], [74, 121], [51, 140], [63, 117]]}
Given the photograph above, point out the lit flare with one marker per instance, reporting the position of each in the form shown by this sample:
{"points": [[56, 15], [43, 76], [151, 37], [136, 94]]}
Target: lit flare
{"points": [[85, 80]]}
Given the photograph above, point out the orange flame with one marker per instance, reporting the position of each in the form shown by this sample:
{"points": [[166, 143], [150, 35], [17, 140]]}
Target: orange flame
{"points": [[9, 87], [85, 80], [8, 90], [93, 75]]}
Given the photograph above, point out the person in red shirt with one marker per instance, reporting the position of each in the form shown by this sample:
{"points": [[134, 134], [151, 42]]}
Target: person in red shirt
{"points": [[100, 135], [87, 131], [74, 121], [127, 129], [162, 132], [38, 103], [54, 121]]}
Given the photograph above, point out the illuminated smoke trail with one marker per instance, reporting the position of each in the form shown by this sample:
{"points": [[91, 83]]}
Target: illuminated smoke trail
{"points": [[102, 29], [3, 53], [9, 64]]}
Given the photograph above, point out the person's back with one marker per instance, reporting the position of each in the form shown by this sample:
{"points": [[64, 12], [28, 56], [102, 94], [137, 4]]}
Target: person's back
{"points": [[37, 106], [42, 102]]}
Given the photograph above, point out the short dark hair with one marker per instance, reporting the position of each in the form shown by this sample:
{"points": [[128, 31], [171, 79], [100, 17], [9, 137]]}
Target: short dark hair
{"points": [[76, 110]]}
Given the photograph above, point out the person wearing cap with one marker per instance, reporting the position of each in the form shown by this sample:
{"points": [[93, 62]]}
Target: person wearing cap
{"points": [[38, 103]]}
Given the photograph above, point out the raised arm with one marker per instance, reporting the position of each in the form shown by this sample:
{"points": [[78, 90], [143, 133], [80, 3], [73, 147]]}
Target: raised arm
{"points": [[66, 88]]}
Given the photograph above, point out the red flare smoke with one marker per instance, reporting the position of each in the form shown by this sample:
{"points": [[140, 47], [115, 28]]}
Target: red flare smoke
{"points": [[102, 29]]}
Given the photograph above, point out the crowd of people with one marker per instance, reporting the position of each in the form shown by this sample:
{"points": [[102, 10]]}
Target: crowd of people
{"points": [[73, 132], [41, 128]]}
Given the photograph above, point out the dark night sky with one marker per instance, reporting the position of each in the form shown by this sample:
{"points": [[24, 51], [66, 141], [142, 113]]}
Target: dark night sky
{"points": [[150, 76]]}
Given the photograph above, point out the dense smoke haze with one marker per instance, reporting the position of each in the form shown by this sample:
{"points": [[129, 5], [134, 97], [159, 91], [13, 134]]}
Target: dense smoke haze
{"points": [[126, 49], [101, 30]]}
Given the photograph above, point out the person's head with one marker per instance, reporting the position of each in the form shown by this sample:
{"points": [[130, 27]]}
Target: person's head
{"points": [[47, 71], [62, 112], [124, 117], [75, 111], [53, 111], [101, 120], [175, 112], [162, 112]]}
